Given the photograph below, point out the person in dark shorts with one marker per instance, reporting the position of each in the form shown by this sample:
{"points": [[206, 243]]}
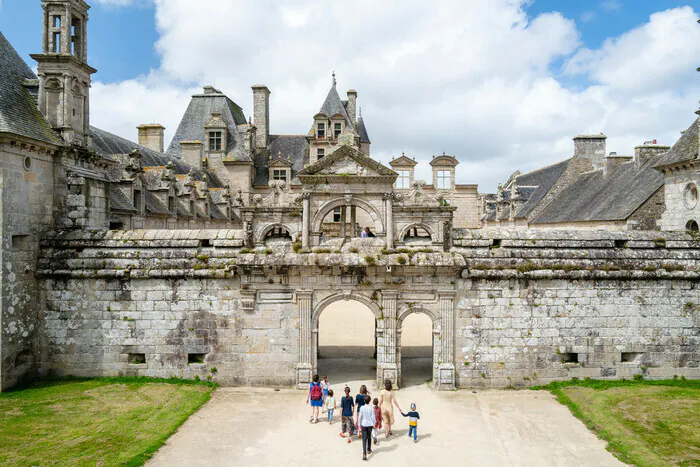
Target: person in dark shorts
{"points": [[346, 415]]}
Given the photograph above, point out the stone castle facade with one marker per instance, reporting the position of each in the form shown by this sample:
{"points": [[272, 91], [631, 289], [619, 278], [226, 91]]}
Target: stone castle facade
{"points": [[222, 250]]}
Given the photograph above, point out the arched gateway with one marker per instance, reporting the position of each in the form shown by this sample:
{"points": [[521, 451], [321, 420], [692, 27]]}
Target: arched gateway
{"points": [[390, 308]]}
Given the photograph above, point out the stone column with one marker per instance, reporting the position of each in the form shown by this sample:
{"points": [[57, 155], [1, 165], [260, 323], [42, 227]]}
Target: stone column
{"points": [[353, 221], [45, 30], [343, 219], [248, 230], [446, 371], [66, 36], [305, 220], [84, 39], [41, 101], [305, 365], [66, 102], [387, 367], [389, 203]]}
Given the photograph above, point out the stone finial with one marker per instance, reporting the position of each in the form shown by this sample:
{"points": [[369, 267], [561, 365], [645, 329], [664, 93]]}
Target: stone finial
{"points": [[334, 82]]}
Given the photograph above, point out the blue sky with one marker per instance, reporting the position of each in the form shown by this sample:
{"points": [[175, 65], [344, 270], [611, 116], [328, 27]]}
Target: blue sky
{"points": [[502, 84]]}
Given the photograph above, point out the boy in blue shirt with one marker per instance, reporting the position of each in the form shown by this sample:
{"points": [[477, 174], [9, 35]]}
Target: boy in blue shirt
{"points": [[413, 418]]}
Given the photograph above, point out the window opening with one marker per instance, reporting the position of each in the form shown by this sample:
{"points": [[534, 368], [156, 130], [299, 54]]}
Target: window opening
{"points": [[215, 141], [336, 215], [321, 130], [337, 130], [279, 175], [444, 180], [404, 180], [320, 153], [137, 201]]}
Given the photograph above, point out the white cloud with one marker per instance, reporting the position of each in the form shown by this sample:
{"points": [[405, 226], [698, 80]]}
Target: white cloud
{"points": [[611, 5], [121, 3], [470, 78]]}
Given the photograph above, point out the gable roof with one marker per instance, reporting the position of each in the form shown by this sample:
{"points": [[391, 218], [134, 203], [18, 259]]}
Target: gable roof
{"points": [[346, 153], [597, 196], [18, 108], [403, 161], [543, 179], [199, 113], [444, 160], [687, 148]]}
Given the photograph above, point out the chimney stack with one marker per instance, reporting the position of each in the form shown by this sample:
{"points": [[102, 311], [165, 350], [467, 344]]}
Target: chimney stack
{"points": [[191, 153], [646, 151], [151, 136], [352, 106], [261, 115], [591, 147]]}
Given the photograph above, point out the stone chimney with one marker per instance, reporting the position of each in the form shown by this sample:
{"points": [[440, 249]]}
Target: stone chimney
{"points": [[151, 136], [191, 153], [646, 151], [261, 115], [591, 147], [613, 161], [352, 106]]}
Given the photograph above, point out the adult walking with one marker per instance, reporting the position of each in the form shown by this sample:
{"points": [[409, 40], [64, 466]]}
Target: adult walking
{"points": [[387, 401], [315, 397]]}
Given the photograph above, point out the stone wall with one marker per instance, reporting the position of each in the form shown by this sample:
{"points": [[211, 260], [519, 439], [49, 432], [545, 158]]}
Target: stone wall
{"points": [[26, 184], [507, 308], [682, 205]]}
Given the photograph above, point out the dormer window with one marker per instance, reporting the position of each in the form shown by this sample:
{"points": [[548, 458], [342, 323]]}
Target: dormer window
{"points": [[444, 180], [215, 138], [171, 205], [320, 153], [404, 180], [321, 130], [337, 129], [280, 174]]}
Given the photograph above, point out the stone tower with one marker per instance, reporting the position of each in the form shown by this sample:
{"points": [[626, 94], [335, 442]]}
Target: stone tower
{"points": [[64, 75]]}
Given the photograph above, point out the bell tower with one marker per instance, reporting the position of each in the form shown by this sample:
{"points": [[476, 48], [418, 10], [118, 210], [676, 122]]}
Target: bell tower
{"points": [[64, 75]]}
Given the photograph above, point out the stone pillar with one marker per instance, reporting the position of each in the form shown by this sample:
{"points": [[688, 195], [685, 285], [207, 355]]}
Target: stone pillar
{"points": [[248, 230], [66, 31], [45, 30], [389, 203], [446, 371], [387, 367], [343, 220], [306, 357], [67, 101], [353, 221], [41, 98], [305, 220]]}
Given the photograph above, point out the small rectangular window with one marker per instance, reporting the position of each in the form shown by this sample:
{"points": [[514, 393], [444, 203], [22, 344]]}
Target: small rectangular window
{"points": [[20, 242], [57, 21], [171, 205], [215, 141], [57, 42], [404, 180], [279, 175], [336, 215], [196, 357], [569, 358], [321, 130], [137, 201], [444, 180], [320, 153], [137, 358], [337, 129], [631, 357], [192, 208]]}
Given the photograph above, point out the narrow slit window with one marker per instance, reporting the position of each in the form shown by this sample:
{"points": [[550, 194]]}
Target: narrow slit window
{"points": [[57, 42]]}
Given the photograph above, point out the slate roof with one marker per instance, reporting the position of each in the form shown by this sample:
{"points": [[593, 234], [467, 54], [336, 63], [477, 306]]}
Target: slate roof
{"points": [[293, 146], [543, 179], [107, 144], [119, 202], [216, 212], [686, 148], [154, 206], [333, 105], [197, 115], [362, 131], [18, 108], [595, 196]]}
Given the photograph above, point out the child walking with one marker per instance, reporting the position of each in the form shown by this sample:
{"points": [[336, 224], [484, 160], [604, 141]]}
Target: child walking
{"points": [[330, 405], [347, 405], [413, 418], [366, 421], [315, 397], [378, 422], [359, 402], [325, 385]]}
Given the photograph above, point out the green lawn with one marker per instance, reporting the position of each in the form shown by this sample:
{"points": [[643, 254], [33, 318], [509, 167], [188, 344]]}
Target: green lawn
{"points": [[646, 423], [111, 421]]}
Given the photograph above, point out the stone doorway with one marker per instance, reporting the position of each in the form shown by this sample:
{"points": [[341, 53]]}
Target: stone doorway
{"points": [[416, 350], [347, 342]]}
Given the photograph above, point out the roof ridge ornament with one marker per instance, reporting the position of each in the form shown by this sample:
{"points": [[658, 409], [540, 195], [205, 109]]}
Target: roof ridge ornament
{"points": [[334, 82]]}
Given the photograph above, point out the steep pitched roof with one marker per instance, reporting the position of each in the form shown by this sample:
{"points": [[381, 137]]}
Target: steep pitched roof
{"points": [[346, 161], [543, 179], [294, 147], [686, 148], [199, 113], [597, 196], [333, 105], [107, 144], [18, 110], [154, 206], [362, 130], [119, 202]]}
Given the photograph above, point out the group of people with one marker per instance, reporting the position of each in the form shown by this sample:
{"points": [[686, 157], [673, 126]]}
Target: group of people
{"points": [[361, 416]]}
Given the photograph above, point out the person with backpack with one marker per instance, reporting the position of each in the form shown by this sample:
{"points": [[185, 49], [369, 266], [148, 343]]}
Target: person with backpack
{"points": [[315, 397]]}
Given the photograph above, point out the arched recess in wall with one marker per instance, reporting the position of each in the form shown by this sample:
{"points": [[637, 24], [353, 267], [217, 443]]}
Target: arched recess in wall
{"points": [[418, 232], [54, 88], [276, 232], [691, 226], [330, 206], [418, 344]]}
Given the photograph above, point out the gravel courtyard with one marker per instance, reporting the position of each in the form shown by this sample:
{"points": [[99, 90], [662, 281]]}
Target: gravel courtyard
{"points": [[244, 427]]}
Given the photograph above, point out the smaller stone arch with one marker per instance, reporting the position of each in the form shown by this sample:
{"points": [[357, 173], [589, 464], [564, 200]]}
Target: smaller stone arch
{"points": [[406, 311], [426, 227], [691, 226], [329, 206], [346, 295], [262, 232]]}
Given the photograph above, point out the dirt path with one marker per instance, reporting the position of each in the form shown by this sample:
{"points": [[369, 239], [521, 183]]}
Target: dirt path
{"points": [[245, 427]]}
